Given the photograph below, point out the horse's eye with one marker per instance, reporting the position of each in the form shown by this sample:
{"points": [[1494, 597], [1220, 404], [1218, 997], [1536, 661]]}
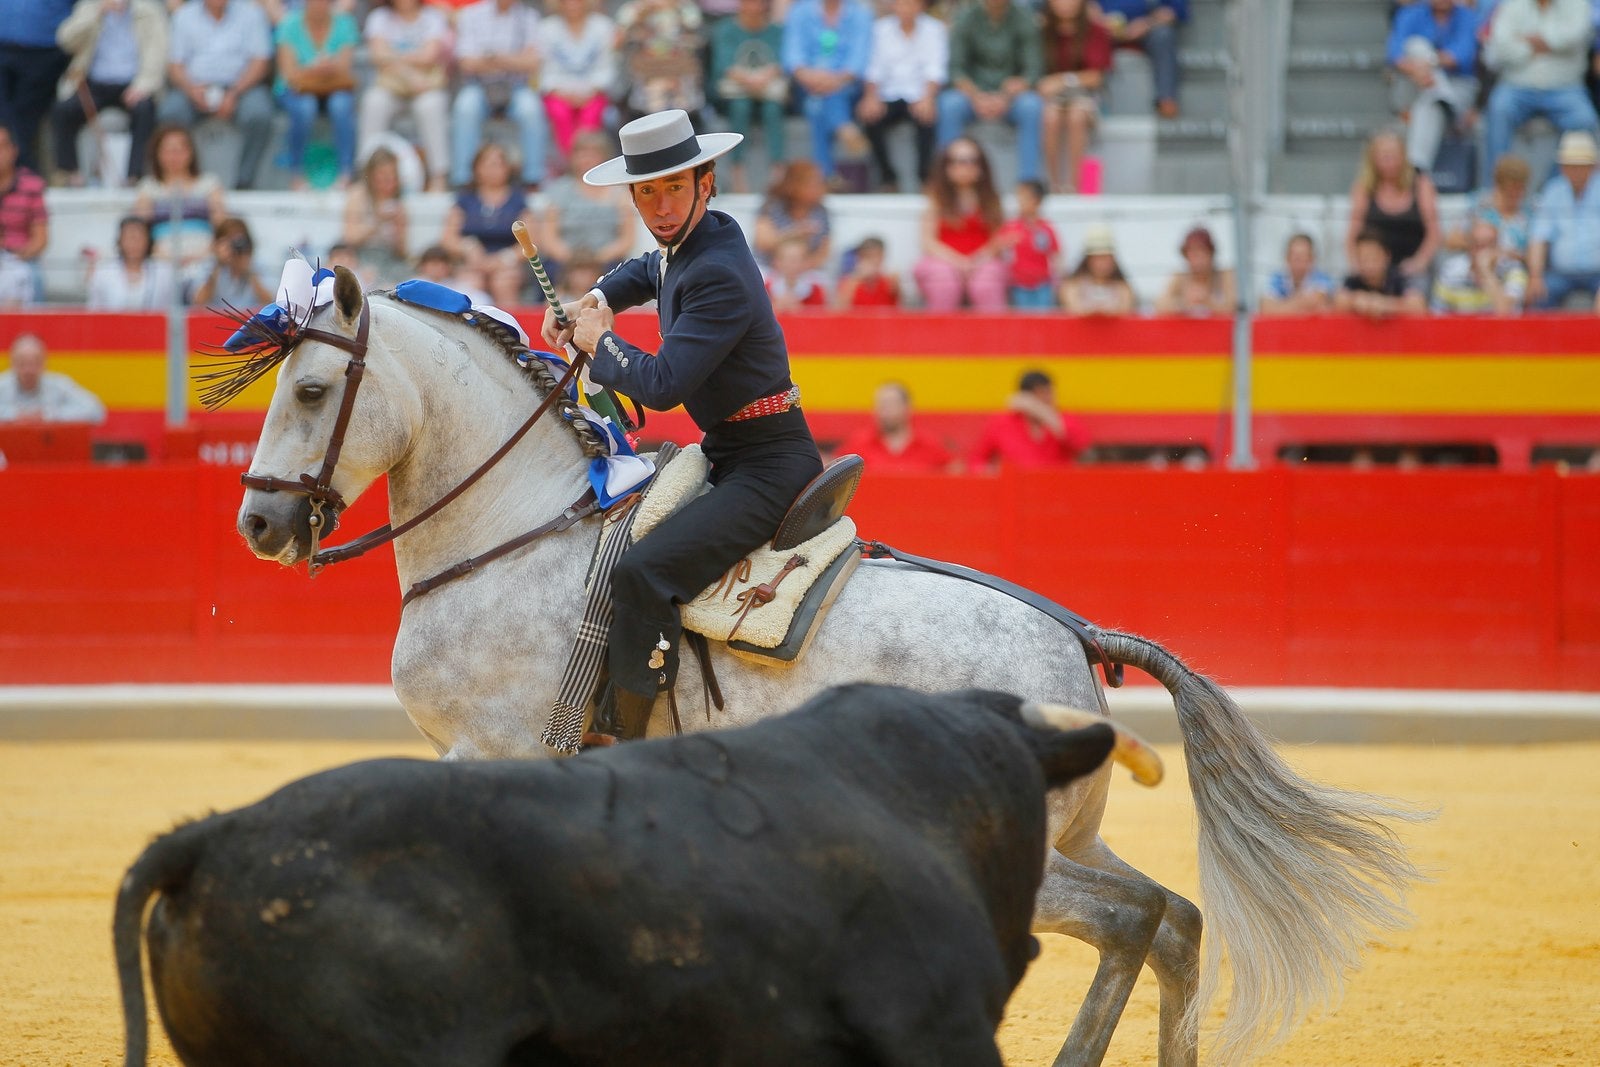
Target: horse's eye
{"points": [[309, 392]]}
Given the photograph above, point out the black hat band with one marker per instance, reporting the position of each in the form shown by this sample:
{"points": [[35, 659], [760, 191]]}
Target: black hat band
{"points": [[663, 159]]}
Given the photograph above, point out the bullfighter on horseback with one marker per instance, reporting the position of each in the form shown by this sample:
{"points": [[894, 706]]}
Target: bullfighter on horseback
{"points": [[723, 357]]}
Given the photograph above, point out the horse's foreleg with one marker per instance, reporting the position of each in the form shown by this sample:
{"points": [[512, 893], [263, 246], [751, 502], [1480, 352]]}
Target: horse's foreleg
{"points": [[1119, 915], [1175, 959]]}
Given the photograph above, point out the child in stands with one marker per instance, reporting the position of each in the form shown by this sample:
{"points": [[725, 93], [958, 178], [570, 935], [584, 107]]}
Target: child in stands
{"points": [[865, 284], [790, 282], [1031, 250], [1376, 288]]}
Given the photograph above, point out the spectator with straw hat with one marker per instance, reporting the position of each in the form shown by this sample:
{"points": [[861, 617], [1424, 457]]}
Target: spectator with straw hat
{"points": [[1564, 246]]}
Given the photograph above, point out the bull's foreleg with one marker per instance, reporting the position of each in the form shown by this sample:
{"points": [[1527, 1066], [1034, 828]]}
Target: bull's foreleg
{"points": [[1120, 916]]}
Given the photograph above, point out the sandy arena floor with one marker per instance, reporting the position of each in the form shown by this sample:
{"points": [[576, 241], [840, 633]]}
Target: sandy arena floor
{"points": [[1502, 968]]}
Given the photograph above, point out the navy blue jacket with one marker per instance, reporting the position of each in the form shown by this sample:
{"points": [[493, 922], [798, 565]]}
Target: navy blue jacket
{"points": [[721, 347]]}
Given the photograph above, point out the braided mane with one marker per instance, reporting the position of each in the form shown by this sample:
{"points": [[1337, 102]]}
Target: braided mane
{"points": [[544, 379], [231, 373]]}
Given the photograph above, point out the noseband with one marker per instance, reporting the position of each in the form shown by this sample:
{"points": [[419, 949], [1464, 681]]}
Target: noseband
{"points": [[326, 503]]}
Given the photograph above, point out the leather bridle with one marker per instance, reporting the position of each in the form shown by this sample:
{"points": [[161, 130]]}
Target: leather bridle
{"points": [[327, 503]]}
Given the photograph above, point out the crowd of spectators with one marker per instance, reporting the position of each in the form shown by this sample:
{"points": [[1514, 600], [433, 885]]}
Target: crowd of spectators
{"points": [[565, 73], [565, 67]]}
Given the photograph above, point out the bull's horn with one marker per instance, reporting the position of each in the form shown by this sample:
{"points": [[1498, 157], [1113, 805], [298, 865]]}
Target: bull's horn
{"points": [[1130, 750]]}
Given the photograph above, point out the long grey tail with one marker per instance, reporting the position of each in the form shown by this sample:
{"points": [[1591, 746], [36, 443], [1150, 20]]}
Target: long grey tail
{"points": [[1294, 875], [166, 864]]}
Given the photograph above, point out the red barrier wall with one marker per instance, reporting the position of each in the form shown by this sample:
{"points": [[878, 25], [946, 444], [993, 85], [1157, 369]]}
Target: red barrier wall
{"points": [[1286, 576]]}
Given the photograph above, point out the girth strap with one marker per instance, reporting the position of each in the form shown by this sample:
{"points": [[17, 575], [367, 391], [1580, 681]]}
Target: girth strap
{"points": [[1081, 628], [708, 674]]}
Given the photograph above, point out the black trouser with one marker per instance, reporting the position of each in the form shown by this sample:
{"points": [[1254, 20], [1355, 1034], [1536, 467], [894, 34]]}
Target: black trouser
{"points": [[28, 79], [69, 117], [758, 467], [878, 136]]}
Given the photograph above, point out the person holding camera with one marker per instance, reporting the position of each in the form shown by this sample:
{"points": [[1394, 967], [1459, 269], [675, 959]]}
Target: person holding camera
{"points": [[232, 278], [1077, 55]]}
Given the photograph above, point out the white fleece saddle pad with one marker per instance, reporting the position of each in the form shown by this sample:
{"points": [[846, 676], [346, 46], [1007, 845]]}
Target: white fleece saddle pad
{"points": [[718, 609]]}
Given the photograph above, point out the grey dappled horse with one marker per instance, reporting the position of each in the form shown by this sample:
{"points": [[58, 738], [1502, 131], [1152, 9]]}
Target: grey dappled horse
{"points": [[1293, 873]]}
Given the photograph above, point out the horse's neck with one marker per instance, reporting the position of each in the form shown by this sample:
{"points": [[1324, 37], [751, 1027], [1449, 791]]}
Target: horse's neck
{"points": [[473, 400]]}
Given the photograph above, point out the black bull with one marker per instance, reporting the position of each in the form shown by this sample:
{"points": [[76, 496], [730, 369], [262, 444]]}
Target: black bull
{"points": [[848, 884]]}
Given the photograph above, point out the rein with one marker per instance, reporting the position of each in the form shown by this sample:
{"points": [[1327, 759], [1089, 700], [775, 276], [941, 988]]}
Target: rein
{"points": [[327, 503]]}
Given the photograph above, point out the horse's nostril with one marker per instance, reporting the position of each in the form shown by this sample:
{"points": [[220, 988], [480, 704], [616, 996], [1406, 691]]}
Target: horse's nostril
{"points": [[254, 526]]}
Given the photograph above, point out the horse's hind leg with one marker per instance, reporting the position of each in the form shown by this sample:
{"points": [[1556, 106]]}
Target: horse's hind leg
{"points": [[1119, 914], [1174, 957]]}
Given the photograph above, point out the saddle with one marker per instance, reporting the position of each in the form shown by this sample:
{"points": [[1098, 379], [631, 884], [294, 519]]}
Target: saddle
{"points": [[768, 606]]}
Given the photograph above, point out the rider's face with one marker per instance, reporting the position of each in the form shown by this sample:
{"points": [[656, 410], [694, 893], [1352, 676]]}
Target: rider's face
{"points": [[666, 203]]}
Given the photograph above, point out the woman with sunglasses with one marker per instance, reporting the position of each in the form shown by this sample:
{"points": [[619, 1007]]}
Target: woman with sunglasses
{"points": [[961, 248]]}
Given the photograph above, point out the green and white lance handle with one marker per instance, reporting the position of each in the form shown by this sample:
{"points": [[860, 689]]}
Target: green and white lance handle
{"points": [[597, 396]]}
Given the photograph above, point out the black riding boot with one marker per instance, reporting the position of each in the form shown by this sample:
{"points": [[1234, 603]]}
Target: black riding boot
{"points": [[623, 714], [633, 714]]}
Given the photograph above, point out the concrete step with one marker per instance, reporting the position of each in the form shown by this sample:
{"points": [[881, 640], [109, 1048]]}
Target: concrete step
{"points": [[1204, 95], [1314, 58], [1198, 171], [1338, 24], [1181, 133], [1317, 129], [1207, 27], [1353, 94], [1324, 172]]}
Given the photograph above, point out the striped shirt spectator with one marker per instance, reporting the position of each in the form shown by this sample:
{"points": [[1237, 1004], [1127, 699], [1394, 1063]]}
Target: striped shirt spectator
{"points": [[24, 227]]}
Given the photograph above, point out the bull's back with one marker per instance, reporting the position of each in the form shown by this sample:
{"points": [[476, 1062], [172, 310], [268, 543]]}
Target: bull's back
{"points": [[697, 893]]}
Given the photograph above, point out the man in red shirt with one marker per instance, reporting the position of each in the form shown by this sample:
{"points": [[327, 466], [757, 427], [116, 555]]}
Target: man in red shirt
{"points": [[891, 444], [1030, 433]]}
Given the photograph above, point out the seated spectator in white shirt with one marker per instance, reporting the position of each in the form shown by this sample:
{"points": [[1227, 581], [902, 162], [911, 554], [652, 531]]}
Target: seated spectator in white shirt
{"points": [[30, 394], [1300, 288], [497, 56], [119, 60], [1540, 49], [410, 49], [218, 62], [132, 281], [908, 65]]}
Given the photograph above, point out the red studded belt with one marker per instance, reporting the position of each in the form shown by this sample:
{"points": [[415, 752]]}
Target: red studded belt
{"points": [[768, 405]]}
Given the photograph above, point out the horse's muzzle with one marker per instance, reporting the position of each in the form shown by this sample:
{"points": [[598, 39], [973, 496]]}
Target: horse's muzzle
{"points": [[276, 526]]}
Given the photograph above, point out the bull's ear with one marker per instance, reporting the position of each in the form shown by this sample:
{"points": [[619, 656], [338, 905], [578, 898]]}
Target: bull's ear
{"points": [[347, 298], [1068, 754]]}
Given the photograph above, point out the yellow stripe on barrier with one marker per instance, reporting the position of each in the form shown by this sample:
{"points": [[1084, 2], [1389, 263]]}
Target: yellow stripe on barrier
{"points": [[1283, 385], [1387, 385], [1150, 384], [130, 381]]}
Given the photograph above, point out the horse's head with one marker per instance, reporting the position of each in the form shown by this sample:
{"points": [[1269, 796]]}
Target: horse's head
{"points": [[333, 426]]}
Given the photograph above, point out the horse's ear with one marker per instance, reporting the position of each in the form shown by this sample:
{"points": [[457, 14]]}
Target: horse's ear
{"points": [[347, 298]]}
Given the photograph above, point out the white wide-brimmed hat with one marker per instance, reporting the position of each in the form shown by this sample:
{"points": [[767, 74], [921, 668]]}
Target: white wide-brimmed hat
{"points": [[1098, 240], [660, 144], [1577, 148]]}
